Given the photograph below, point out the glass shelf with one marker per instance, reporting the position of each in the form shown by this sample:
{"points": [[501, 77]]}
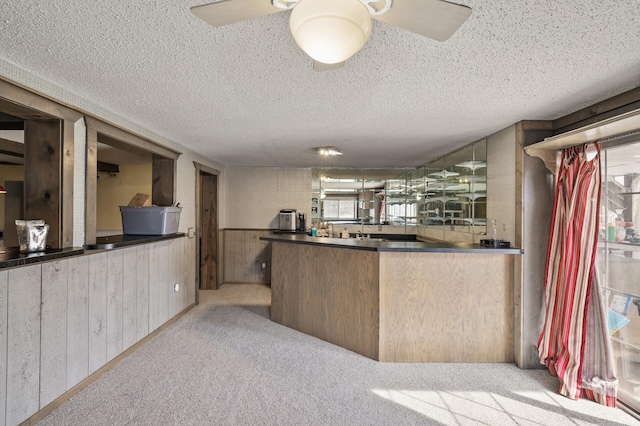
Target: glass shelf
{"points": [[473, 165], [473, 196], [444, 174]]}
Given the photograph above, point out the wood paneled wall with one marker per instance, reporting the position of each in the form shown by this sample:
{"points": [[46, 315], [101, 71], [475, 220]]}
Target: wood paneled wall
{"points": [[244, 255], [61, 321]]}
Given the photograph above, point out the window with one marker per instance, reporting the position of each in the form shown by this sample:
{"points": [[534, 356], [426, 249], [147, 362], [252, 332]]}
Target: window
{"points": [[619, 262], [339, 209], [143, 167]]}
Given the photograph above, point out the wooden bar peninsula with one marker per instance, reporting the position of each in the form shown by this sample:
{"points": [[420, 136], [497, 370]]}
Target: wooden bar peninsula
{"points": [[397, 301]]}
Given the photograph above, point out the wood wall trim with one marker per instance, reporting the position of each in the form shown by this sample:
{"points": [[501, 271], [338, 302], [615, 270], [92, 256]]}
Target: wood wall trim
{"points": [[91, 185], [519, 160], [11, 148], [130, 138], [206, 169], [614, 106], [24, 103], [534, 131], [610, 127], [67, 183], [614, 116]]}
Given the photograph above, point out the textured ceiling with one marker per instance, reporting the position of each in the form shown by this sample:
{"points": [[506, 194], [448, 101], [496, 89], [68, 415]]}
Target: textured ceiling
{"points": [[245, 95]]}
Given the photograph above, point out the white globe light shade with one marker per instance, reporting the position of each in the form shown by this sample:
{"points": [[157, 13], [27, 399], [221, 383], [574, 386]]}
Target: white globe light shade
{"points": [[330, 31]]}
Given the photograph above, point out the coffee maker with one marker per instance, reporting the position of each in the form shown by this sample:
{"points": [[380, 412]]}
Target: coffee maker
{"points": [[288, 220], [302, 222]]}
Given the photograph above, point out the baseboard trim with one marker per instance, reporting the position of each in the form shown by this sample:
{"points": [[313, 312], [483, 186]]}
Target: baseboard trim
{"points": [[49, 408]]}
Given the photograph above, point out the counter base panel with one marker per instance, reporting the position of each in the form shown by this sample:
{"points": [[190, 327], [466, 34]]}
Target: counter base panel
{"points": [[397, 307], [329, 293], [446, 307]]}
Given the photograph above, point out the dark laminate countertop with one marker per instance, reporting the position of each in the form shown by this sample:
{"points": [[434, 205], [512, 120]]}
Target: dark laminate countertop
{"points": [[390, 246], [11, 256], [116, 241]]}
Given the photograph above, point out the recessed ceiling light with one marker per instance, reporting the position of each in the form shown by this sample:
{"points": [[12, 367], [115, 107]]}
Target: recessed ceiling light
{"points": [[328, 151]]}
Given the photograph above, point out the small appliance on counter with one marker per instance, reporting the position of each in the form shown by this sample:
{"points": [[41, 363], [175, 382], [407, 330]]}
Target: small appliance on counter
{"points": [[288, 220], [302, 222], [32, 235]]}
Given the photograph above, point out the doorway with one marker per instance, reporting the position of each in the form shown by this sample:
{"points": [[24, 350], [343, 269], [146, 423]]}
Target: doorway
{"points": [[208, 253]]}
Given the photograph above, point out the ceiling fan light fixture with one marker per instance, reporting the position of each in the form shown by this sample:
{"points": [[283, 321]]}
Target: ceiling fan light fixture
{"points": [[330, 31]]}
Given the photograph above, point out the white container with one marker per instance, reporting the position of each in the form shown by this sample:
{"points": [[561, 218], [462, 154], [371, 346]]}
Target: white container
{"points": [[151, 220]]}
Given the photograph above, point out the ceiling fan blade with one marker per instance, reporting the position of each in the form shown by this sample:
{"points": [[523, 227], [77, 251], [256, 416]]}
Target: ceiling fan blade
{"points": [[227, 12], [436, 19], [319, 66]]}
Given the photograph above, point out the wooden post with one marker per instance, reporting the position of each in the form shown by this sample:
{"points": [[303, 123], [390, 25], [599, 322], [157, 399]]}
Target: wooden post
{"points": [[163, 181], [43, 183]]}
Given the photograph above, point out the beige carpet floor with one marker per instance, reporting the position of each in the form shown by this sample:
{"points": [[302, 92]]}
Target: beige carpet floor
{"points": [[226, 363]]}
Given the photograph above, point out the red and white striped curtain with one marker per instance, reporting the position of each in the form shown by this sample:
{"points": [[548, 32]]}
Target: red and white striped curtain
{"points": [[574, 343]]}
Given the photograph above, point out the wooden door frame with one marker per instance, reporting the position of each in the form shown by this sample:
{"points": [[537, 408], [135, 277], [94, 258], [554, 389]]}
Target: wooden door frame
{"points": [[202, 169]]}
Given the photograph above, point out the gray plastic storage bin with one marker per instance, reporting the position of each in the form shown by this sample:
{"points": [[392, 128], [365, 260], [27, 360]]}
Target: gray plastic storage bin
{"points": [[151, 220]]}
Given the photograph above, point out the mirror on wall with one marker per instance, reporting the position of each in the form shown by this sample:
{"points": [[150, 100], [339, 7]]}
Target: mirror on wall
{"points": [[455, 190], [355, 196], [448, 193]]}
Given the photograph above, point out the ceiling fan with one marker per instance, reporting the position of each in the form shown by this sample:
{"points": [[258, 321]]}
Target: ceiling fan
{"points": [[331, 31]]}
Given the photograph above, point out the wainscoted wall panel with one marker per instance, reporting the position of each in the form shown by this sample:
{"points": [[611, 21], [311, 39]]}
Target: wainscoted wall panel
{"points": [[158, 284], [61, 321], [97, 311], [129, 297], [142, 289], [78, 321], [244, 255], [114, 303], [53, 353], [174, 249], [23, 344]]}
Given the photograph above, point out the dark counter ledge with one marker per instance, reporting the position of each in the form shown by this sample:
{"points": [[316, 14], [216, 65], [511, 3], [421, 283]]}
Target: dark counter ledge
{"points": [[11, 256], [117, 241], [390, 246]]}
